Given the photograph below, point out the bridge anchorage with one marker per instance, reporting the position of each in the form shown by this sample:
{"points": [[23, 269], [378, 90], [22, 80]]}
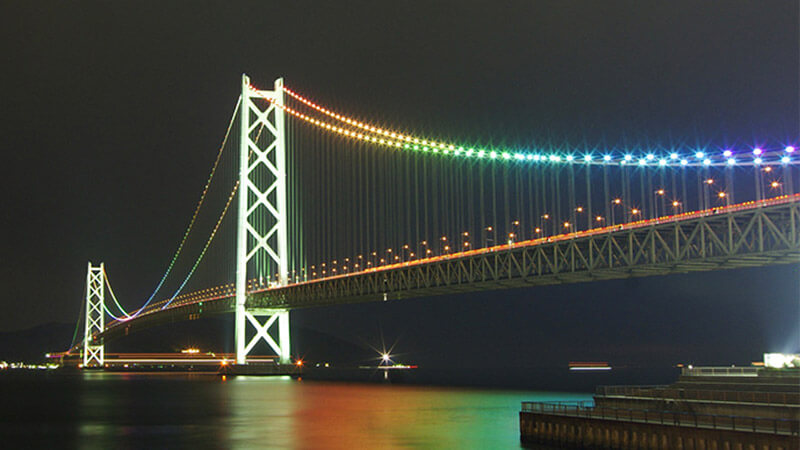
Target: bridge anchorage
{"points": [[397, 216]]}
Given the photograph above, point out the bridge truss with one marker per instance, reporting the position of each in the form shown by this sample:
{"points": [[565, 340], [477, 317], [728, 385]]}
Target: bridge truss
{"points": [[710, 241], [748, 235]]}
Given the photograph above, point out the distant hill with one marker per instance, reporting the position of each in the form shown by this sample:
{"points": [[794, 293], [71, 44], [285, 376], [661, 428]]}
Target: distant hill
{"points": [[30, 345]]}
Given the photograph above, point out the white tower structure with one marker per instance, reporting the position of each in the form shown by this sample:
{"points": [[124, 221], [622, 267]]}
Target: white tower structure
{"points": [[93, 349], [262, 235]]}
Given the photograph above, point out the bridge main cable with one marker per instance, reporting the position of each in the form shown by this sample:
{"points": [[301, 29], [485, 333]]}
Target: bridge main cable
{"points": [[194, 215], [393, 139]]}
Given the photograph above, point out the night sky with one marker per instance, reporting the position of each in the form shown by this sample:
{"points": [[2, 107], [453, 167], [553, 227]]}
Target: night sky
{"points": [[112, 113]]}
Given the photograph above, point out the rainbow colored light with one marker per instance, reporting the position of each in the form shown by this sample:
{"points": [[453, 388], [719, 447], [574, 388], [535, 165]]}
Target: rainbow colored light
{"points": [[365, 132]]}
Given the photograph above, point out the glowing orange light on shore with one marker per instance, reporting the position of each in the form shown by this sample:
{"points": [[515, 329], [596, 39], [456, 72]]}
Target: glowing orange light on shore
{"points": [[617, 201]]}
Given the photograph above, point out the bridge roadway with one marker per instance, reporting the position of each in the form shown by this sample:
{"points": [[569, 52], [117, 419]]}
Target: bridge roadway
{"points": [[743, 235]]}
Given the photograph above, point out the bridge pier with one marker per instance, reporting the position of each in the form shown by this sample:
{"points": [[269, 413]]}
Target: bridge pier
{"points": [[282, 347]]}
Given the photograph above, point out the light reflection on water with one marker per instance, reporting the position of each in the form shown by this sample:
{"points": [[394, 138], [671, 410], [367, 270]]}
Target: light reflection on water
{"points": [[100, 410]]}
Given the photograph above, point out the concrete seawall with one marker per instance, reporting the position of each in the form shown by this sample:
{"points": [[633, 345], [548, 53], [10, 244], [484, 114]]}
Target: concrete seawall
{"points": [[581, 432]]}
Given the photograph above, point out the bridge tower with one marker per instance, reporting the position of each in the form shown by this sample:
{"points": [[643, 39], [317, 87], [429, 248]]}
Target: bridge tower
{"points": [[262, 235], [93, 349]]}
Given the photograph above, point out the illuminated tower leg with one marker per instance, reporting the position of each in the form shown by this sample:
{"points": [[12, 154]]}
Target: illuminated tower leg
{"points": [[93, 349], [262, 229]]}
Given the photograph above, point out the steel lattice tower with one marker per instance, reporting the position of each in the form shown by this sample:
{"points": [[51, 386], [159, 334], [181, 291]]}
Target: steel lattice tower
{"points": [[93, 348], [262, 235]]}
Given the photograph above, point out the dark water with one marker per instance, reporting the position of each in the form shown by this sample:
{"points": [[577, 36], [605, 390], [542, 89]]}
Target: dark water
{"points": [[104, 410]]}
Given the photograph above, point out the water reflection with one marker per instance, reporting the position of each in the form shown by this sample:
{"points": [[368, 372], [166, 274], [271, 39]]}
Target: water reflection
{"points": [[341, 415], [102, 410]]}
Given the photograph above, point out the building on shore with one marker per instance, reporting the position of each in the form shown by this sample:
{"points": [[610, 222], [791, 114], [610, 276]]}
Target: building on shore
{"points": [[708, 408]]}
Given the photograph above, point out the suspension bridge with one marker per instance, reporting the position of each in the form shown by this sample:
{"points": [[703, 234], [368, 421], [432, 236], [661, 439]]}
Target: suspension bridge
{"points": [[330, 209]]}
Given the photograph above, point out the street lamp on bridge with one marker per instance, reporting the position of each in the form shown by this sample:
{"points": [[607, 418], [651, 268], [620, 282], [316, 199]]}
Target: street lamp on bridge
{"points": [[578, 210], [486, 239], [723, 196], [515, 229], [658, 196], [543, 223], [614, 203]]}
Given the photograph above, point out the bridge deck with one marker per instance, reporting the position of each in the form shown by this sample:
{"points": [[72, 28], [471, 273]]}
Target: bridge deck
{"points": [[743, 235]]}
